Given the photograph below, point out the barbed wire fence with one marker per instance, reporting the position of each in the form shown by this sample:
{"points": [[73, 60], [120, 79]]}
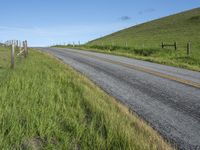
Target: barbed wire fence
{"points": [[17, 48], [184, 46]]}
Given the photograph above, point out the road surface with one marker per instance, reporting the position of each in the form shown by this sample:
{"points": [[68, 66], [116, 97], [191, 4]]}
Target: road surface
{"points": [[168, 98]]}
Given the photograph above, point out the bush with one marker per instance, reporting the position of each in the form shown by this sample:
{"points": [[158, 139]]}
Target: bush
{"points": [[145, 52], [142, 52]]}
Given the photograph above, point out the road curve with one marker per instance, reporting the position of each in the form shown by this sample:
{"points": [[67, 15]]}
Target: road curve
{"points": [[166, 97]]}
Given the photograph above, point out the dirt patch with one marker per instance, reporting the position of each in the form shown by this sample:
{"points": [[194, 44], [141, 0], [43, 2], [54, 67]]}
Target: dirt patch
{"points": [[34, 144], [38, 143]]}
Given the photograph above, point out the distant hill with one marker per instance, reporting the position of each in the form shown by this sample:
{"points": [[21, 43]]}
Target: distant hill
{"points": [[182, 27]]}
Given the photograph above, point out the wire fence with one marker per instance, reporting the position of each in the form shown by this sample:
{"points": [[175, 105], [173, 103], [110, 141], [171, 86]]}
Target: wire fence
{"points": [[17, 49]]}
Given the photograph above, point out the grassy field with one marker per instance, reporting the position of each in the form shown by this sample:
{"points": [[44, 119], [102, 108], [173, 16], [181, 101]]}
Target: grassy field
{"points": [[144, 41], [46, 104]]}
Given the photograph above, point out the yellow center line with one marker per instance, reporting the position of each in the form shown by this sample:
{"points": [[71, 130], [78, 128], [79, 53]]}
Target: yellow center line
{"points": [[146, 70]]}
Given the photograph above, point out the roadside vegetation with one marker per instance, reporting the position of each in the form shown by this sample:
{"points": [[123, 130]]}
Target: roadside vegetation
{"points": [[44, 104], [144, 41]]}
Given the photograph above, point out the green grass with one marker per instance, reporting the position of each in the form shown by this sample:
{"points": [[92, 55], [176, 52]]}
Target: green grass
{"points": [[144, 41], [46, 104]]}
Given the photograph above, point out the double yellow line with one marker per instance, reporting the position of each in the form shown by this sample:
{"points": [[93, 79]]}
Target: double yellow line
{"points": [[146, 70]]}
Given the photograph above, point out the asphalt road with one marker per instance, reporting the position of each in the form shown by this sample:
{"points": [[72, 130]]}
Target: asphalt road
{"points": [[168, 98]]}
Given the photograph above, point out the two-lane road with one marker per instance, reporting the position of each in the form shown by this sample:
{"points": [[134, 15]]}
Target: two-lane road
{"points": [[166, 97]]}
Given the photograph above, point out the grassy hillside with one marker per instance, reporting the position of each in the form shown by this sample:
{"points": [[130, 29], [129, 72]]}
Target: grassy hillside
{"points": [[181, 28], [45, 104], [144, 41]]}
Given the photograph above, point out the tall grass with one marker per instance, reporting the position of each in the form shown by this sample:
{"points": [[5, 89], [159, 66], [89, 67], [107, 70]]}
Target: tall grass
{"points": [[45, 104]]}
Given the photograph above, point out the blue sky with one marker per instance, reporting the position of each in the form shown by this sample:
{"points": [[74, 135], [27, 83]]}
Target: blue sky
{"points": [[46, 22]]}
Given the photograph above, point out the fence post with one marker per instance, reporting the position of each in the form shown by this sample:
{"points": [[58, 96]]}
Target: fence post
{"points": [[143, 46], [13, 56], [175, 45], [162, 45], [20, 46], [26, 44], [188, 48], [126, 44]]}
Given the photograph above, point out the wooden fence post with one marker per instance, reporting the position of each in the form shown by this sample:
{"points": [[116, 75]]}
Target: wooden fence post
{"points": [[162, 45], [26, 44], [126, 44], [175, 45], [188, 48], [13, 56], [20, 46]]}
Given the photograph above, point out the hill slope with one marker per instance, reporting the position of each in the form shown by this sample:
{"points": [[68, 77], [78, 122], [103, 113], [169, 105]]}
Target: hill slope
{"points": [[144, 41], [182, 27]]}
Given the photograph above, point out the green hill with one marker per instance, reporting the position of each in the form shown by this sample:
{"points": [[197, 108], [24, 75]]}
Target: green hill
{"points": [[144, 41], [182, 27]]}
